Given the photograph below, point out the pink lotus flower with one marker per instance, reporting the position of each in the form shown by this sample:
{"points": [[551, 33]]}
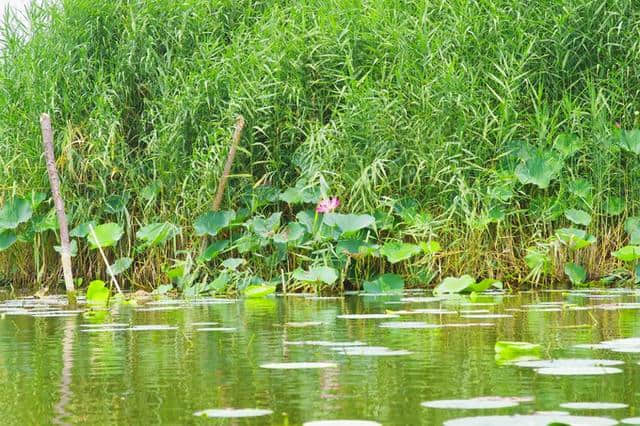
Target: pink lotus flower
{"points": [[328, 205]]}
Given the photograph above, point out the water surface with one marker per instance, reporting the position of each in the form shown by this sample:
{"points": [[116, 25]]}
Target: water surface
{"points": [[205, 355]]}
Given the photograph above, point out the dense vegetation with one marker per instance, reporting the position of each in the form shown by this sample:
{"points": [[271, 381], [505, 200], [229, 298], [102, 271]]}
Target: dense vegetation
{"points": [[487, 126]]}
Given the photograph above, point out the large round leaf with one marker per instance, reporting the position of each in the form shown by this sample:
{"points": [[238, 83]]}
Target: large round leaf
{"points": [[349, 222], [629, 140], [213, 250], [578, 217], [397, 252], [628, 253], [15, 212], [454, 284], [82, 230], [292, 232], [7, 238], [213, 222], [265, 227], [254, 291], [121, 265], [98, 294], [575, 238], [156, 234], [105, 235], [384, 284], [323, 274], [539, 169], [576, 273]]}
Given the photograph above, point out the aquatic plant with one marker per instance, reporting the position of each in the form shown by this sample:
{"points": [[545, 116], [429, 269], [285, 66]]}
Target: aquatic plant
{"points": [[490, 174]]}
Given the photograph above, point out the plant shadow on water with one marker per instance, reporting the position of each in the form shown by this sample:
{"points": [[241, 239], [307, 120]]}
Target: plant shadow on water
{"points": [[135, 365]]}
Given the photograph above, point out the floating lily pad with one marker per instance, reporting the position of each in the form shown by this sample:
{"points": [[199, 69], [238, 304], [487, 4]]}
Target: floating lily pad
{"points": [[223, 329], [479, 403], [104, 329], [487, 316], [324, 343], [577, 371], [370, 351], [408, 324], [341, 423], [531, 420], [104, 325], [367, 316], [569, 363], [593, 405], [302, 324], [298, 365], [152, 327], [233, 412]]}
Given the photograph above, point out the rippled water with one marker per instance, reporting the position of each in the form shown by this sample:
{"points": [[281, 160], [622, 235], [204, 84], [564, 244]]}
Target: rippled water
{"points": [[207, 355]]}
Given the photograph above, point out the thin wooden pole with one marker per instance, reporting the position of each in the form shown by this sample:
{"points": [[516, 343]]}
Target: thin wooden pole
{"points": [[237, 135], [54, 180]]}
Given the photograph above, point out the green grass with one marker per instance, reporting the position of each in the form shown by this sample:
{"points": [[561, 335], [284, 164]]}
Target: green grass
{"points": [[381, 99]]}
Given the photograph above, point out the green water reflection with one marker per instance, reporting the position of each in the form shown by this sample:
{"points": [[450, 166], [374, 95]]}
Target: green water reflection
{"points": [[54, 372]]}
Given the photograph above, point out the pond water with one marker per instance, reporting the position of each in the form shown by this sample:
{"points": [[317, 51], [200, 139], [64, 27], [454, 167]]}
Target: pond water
{"points": [[291, 360]]}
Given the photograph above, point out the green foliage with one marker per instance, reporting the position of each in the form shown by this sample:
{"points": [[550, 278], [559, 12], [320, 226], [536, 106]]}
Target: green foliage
{"points": [[145, 94], [73, 246], [14, 212], [386, 283], [538, 262], [317, 274], [213, 222], [454, 285], [357, 248], [628, 253], [576, 273], [567, 144], [397, 252], [156, 234], [120, 265], [255, 291], [265, 227], [105, 235], [614, 206], [98, 294], [629, 140], [486, 284], [575, 238], [82, 230], [213, 250], [233, 263], [300, 194], [349, 223], [7, 239], [509, 351], [293, 231], [632, 226], [430, 247], [578, 217], [539, 168]]}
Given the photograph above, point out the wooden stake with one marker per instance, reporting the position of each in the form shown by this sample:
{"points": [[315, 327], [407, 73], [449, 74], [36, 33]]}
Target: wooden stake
{"points": [[237, 135], [54, 180]]}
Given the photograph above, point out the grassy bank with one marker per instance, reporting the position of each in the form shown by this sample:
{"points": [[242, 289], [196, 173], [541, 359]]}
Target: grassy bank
{"points": [[494, 116]]}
